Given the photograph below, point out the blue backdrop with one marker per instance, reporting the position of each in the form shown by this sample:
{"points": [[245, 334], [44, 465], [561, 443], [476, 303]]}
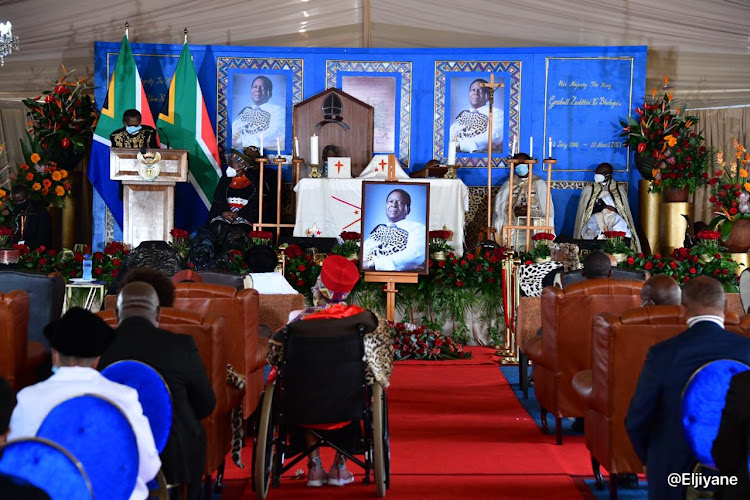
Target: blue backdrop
{"points": [[573, 95]]}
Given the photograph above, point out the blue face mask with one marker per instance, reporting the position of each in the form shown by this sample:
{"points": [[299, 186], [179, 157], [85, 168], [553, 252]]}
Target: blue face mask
{"points": [[522, 169], [132, 130]]}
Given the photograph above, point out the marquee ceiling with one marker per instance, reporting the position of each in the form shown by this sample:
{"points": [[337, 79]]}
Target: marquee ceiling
{"points": [[702, 45]]}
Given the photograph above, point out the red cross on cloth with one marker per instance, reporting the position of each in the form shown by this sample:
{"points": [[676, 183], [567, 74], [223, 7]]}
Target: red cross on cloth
{"points": [[382, 164], [339, 165]]}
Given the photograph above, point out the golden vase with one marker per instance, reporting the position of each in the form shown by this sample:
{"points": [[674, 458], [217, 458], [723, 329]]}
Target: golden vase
{"points": [[649, 214]]}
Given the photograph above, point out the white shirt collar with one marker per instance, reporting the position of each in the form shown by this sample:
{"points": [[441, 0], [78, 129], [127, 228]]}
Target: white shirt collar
{"points": [[705, 317]]}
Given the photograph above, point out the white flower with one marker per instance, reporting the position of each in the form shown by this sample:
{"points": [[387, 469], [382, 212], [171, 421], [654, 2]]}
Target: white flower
{"points": [[744, 198], [744, 208]]}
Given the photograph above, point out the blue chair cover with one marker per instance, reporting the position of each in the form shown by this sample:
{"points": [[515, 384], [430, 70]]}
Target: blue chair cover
{"points": [[703, 401], [48, 466], [153, 393], [97, 433]]}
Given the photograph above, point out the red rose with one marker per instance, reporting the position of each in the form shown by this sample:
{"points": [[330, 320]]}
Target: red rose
{"points": [[733, 211], [491, 280], [491, 269], [98, 271], [692, 270], [528, 262], [78, 257], [642, 147], [725, 271], [98, 256], [302, 268], [52, 252], [441, 264], [657, 256], [73, 274], [631, 261], [463, 263], [649, 266], [115, 272], [116, 262], [478, 267], [300, 282], [42, 261], [470, 256], [459, 283]]}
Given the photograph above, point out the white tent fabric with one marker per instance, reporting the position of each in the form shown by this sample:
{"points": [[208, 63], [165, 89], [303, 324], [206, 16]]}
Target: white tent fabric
{"points": [[702, 45]]}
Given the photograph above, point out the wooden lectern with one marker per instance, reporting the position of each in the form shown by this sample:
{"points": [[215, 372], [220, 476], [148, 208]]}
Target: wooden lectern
{"points": [[148, 190]]}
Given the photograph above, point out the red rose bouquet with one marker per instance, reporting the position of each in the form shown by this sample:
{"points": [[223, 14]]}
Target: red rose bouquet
{"points": [[349, 245], [180, 241], [541, 249], [6, 236], [439, 240], [418, 342], [260, 237], [614, 244]]}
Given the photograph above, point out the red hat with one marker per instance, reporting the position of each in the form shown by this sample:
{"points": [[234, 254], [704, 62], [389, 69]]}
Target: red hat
{"points": [[339, 274]]}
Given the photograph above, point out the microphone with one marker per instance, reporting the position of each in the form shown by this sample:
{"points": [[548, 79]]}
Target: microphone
{"points": [[161, 131]]}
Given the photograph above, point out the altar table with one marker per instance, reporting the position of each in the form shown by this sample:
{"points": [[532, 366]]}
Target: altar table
{"points": [[326, 207]]}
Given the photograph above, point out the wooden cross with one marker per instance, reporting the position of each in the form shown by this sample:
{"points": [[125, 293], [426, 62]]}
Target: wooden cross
{"points": [[491, 86]]}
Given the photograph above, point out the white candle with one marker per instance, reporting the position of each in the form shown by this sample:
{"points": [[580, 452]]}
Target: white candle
{"points": [[261, 145], [531, 147], [278, 147], [451, 153], [314, 159], [549, 150], [296, 147], [513, 149]]}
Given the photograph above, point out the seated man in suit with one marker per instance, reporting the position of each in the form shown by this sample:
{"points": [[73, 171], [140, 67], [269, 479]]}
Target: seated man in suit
{"points": [[661, 290], [653, 419], [176, 358], [78, 339]]}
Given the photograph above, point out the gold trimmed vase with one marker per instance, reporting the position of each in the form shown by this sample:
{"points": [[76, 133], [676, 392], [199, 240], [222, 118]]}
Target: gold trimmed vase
{"points": [[441, 255]]}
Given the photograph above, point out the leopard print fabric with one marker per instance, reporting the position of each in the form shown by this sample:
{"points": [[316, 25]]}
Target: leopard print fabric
{"points": [[238, 381], [530, 277], [472, 124], [255, 120], [390, 240], [379, 355]]}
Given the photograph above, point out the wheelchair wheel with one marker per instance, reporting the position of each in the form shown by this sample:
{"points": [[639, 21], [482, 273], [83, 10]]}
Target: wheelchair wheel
{"points": [[381, 453], [265, 446]]}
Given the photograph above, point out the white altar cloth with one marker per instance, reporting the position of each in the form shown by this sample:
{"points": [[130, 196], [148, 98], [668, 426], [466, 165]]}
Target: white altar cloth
{"points": [[330, 206]]}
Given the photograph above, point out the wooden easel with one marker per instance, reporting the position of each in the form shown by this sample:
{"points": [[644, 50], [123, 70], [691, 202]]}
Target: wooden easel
{"points": [[296, 162], [511, 290], [390, 278]]}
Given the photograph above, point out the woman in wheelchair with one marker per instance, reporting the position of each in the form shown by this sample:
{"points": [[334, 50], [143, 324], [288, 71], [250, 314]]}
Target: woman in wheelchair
{"points": [[337, 278]]}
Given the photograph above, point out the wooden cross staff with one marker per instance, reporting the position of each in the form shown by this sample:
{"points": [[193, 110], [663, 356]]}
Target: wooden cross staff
{"points": [[491, 87]]}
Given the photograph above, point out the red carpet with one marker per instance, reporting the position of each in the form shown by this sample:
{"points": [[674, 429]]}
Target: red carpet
{"points": [[457, 431]]}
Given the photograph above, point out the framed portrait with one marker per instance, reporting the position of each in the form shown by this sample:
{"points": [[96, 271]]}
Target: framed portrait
{"points": [[255, 98], [462, 110], [395, 218]]}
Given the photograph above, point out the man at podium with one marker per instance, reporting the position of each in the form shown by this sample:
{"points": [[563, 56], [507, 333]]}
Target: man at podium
{"points": [[133, 135]]}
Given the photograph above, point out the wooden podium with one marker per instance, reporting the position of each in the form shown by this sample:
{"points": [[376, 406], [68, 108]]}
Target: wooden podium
{"points": [[148, 190]]}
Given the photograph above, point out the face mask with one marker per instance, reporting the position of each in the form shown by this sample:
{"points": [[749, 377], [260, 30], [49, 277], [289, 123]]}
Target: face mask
{"points": [[231, 172], [522, 170], [132, 130], [599, 178]]}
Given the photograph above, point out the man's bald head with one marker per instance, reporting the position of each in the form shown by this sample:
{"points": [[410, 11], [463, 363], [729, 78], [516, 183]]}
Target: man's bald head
{"points": [[661, 290], [138, 299], [703, 295]]}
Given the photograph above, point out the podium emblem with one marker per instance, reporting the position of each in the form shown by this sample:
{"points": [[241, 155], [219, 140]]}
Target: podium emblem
{"points": [[148, 169]]}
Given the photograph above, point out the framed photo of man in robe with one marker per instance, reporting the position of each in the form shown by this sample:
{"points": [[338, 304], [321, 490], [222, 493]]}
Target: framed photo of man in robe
{"points": [[395, 218], [470, 115]]}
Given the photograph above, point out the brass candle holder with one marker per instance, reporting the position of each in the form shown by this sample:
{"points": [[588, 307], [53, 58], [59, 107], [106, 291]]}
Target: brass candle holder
{"points": [[315, 173], [451, 173]]}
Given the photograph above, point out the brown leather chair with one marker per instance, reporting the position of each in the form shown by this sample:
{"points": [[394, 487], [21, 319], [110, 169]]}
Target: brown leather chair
{"points": [[46, 296], [619, 347], [209, 332], [240, 308], [19, 358], [564, 347]]}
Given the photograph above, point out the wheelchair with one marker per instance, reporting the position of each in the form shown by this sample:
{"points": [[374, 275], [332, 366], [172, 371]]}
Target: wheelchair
{"points": [[320, 386]]}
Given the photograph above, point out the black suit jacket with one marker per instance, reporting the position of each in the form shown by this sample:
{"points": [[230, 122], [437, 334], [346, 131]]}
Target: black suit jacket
{"points": [[36, 230], [731, 445], [653, 421], [176, 358]]}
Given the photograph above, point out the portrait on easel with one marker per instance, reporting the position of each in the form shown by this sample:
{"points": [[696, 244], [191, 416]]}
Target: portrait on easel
{"points": [[468, 114], [395, 222]]}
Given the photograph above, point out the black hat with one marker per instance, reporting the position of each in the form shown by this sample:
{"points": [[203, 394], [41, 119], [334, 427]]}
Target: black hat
{"points": [[79, 333], [261, 259]]}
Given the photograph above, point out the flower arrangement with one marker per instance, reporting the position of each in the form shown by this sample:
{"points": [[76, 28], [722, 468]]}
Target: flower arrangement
{"points": [[541, 249], [4, 207], [235, 263], [64, 119], [349, 244], [105, 266], [683, 266], [708, 245], [260, 237], [670, 150], [6, 236], [45, 183], [730, 190], [439, 240], [301, 270], [418, 342], [614, 243], [180, 241]]}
